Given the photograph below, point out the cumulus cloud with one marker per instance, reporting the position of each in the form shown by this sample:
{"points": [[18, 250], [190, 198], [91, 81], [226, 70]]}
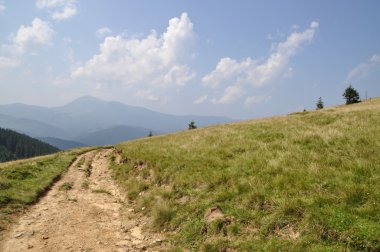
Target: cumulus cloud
{"points": [[237, 75], [226, 69], [153, 62], [58, 9], [102, 32], [230, 94], [249, 71], [28, 38], [67, 12], [363, 69], [252, 100], [200, 99]]}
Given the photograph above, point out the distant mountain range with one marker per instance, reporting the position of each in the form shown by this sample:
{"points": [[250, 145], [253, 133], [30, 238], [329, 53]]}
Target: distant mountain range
{"points": [[91, 121]]}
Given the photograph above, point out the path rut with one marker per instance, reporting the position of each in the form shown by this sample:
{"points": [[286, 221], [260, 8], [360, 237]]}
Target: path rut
{"points": [[91, 216]]}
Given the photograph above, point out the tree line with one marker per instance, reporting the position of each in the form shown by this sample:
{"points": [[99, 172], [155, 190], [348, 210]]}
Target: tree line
{"points": [[14, 145]]}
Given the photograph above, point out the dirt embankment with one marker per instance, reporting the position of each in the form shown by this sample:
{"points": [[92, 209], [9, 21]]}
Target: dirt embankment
{"points": [[84, 211]]}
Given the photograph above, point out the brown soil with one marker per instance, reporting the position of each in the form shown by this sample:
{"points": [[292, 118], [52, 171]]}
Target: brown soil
{"points": [[213, 214], [91, 216]]}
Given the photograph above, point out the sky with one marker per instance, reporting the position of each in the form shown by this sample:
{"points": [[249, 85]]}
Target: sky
{"points": [[241, 59]]}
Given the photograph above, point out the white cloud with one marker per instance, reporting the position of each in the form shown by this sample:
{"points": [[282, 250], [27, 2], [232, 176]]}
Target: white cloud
{"points": [[363, 69], [153, 62], [58, 9], [249, 71], [102, 32], [67, 12], [41, 4], [231, 94], [251, 100], [28, 37], [200, 100], [147, 95], [226, 69], [8, 62], [2, 8]]}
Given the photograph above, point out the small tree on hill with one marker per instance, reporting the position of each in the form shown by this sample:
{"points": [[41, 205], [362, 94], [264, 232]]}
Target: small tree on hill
{"points": [[192, 125], [319, 103], [351, 95], [150, 134]]}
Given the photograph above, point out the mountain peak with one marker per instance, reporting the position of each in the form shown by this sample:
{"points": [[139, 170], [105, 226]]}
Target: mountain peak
{"points": [[83, 105], [86, 99]]}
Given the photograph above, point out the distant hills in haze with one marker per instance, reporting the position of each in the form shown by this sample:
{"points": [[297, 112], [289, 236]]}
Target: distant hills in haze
{"points": [[61, 144], [91, 121]]}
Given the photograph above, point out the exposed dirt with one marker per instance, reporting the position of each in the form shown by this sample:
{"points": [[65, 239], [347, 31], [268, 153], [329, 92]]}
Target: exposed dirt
{"points": [[84, 211], [213, 214]]}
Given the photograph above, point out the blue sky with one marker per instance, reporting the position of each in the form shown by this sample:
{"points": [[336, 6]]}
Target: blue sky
{"points": [[242, 59]]}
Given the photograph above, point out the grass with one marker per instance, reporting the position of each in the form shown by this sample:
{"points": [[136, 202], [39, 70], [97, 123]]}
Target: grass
{"points": [[73, 200], [22, 182], [66, 186], [303, 182], [88, 169], [81, 162], [85, 166], [102, 191], [85, 185]]}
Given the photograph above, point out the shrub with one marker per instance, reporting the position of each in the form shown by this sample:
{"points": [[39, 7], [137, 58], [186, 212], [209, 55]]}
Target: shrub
{"points": [[192, 125]]}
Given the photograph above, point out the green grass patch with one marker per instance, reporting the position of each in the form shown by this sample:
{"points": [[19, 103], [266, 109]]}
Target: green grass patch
{"points": [[162, 215], [305, 182], [66, 186]]}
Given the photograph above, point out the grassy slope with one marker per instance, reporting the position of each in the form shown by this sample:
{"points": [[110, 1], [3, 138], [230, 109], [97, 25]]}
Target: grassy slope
{"points": [[23, 181], [307, 181]]}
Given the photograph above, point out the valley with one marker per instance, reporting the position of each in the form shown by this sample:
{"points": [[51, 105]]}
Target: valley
{"points": [[88, 121]]}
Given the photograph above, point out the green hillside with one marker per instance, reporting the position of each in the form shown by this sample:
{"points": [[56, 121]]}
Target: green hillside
{"points": [[308, 181], [14, 146]]}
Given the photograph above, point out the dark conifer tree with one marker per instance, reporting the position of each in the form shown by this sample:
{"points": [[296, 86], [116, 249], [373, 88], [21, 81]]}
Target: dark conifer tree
{"points": [[14, 145], [319, 103], [351, 95]]}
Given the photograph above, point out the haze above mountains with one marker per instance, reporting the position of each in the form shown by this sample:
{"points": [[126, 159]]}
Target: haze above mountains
{"points": [[91, 121]]}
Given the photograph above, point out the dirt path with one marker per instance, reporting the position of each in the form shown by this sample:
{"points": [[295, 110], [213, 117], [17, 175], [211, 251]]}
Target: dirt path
{"points": [[84, 211]]}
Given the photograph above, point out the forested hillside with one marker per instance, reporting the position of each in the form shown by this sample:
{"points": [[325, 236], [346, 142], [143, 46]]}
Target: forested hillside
{"points": [[14, 146]]}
